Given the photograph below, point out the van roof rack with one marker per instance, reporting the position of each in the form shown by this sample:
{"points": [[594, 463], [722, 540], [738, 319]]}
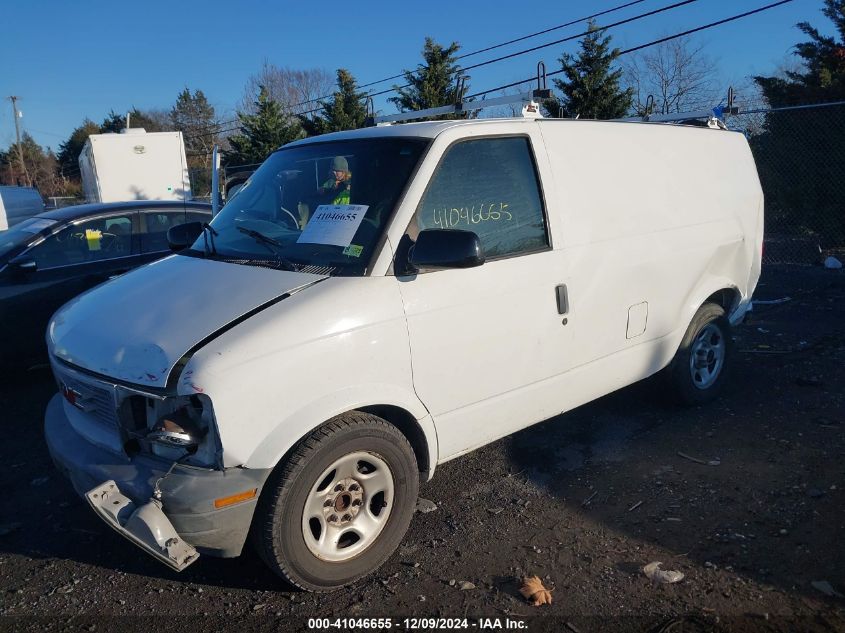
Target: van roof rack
{"points": [[529, 100], [712, 118]]}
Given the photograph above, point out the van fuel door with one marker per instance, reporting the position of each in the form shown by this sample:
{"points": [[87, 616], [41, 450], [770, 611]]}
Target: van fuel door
{"points": [[637, 319]]}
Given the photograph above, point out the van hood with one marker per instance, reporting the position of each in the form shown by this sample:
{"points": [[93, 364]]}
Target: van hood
{"points": [[136, 327]]}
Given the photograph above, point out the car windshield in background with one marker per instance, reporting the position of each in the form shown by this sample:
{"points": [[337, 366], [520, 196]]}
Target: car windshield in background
{"points": [[22, 233], [317, 208]]}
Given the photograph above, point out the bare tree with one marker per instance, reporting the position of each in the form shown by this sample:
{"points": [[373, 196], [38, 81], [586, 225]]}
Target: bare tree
{"points": [[677, 73], [751, 118], [288, 86]]}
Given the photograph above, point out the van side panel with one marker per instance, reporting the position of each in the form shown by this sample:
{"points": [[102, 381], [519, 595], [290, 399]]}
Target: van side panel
{"points": [[339, 345], [657, 214]]}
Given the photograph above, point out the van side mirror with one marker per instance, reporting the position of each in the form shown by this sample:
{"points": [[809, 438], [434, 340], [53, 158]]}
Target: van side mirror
{"points": [[446, 248], [181, 236]]}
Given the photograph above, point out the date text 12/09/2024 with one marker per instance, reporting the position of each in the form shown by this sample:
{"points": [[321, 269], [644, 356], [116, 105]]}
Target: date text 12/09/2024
{"points": [[415, 624]]}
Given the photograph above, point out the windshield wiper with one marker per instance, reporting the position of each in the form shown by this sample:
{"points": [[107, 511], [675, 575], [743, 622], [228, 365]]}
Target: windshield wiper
{"points": [[206, 229], [272, 245]]}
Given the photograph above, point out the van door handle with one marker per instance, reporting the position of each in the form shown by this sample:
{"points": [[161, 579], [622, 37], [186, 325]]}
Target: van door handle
{"points": [[562, 299]]}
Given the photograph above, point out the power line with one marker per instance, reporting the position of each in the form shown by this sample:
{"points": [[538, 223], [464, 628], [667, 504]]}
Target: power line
{"points": [[465, 55], [504, 57], [652, 43], [560, 41], [624, 52], [495, 46]]}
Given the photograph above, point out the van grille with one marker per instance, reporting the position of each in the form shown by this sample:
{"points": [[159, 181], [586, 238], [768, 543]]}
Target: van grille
{"points": [[91, 396]]}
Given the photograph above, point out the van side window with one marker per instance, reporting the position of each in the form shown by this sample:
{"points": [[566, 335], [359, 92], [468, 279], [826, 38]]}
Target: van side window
{"points": [[488, 186]]}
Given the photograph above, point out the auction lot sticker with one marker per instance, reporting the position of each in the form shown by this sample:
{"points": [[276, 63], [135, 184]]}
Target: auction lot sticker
{"points": [[333, 224]]}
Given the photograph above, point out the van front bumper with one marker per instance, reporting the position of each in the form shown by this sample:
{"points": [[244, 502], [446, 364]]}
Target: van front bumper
{"points": [[187, 493]]}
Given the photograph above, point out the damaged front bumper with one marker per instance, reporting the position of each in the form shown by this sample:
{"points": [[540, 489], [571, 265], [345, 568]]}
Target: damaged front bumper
{"points": [[146, 526], [186, 502]]}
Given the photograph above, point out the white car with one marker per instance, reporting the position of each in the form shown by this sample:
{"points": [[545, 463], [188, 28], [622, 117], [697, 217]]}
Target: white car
{"points": [[374, 303]]}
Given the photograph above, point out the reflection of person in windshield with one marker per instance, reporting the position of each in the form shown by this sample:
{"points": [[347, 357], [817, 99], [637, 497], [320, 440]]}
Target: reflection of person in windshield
{"points": [[336, 189]]}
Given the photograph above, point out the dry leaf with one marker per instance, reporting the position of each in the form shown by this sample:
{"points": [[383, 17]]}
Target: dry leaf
{"points": [[533, 590], [657, 575]]}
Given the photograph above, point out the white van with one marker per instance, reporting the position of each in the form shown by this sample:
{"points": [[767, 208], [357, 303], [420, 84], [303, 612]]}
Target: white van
{"points": [[18, 204], [374, 303]]}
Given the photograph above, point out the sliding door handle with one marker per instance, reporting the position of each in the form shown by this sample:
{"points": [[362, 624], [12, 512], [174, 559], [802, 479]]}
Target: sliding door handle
{"points": [[562, 299]]}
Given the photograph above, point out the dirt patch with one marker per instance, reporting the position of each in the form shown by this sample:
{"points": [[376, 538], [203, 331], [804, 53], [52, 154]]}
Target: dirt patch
{"points": [[752, 513]]}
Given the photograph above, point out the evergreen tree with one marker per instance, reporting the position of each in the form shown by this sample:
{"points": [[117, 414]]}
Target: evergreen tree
{"points": [[434, 83], [345, 110], [150, 121], [799, 152], [194, 116], [263, 132], [41, 167], [823, 76], [592, 88], [70, 150]]}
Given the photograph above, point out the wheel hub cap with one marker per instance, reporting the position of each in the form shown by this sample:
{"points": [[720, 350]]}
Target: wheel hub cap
{"points": [[343, 502], [348, 506], [708, 356]]}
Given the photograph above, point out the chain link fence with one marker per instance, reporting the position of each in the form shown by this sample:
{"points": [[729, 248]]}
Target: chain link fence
{"points": [[800, 155]]}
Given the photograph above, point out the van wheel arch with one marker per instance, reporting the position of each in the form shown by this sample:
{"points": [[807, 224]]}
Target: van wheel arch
{"points": [[407, 424], [697, 372], [398, 417], [728, 298], [275, 537]]}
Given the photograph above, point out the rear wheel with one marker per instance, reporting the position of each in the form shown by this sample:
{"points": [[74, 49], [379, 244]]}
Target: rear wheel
{"points": [[340, 505], [697, 373]]}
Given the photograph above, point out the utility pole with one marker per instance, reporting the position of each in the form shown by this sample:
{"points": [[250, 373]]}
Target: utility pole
{"points": [[14, 101]]}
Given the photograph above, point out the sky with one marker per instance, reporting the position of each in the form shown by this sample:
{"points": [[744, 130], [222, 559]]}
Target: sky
{"points": [[71, 60]]}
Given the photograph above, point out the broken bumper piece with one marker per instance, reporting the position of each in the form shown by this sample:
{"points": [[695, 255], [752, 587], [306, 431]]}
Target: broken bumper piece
{"points": [[146, 526]]}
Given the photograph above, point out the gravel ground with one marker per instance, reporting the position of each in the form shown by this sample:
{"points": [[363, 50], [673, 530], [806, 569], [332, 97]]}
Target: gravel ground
{"points": [[752, 513]]}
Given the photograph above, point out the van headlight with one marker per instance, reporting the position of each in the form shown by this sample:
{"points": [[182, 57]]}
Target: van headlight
{"points": [[183, 429], [174, 428]]}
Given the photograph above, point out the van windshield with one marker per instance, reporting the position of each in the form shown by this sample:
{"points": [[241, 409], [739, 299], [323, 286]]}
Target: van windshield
{"points": [[315, 208]]}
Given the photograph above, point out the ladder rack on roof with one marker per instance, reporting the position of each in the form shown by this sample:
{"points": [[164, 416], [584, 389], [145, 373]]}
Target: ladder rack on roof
{"points": [[530, 106], [714, 117]]}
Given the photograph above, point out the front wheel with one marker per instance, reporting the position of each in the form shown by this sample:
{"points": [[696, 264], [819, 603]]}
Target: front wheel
{"points": [[340, 504], [698, 370]]}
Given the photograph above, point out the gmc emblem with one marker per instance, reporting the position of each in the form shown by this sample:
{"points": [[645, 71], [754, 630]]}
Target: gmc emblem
{"points": [[73, 396]]}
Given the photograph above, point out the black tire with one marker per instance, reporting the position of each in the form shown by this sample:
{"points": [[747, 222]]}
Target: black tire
{"points": [[278, 523], [684, 380]]}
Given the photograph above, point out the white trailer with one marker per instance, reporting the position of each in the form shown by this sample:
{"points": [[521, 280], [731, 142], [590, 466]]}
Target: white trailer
{"points": [[134, 165]]}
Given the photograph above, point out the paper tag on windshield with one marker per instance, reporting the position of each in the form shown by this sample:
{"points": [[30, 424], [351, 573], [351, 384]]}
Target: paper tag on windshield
{"points": [[333, 224]]}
